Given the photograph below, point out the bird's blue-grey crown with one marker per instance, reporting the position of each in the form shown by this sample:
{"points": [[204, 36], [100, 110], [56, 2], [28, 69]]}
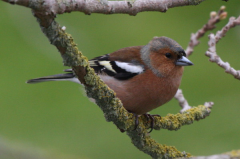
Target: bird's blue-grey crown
{"points": [[162, 42], [159, 43]]}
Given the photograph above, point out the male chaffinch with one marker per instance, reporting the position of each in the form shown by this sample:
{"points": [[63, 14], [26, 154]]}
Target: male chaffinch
{"points": [[143, 77]]}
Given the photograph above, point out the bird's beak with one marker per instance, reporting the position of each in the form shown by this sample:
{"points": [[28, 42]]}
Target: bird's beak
{"points": [[183, 62]]}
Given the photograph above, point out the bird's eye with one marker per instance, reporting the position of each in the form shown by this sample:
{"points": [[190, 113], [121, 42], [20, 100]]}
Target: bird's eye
{"points": [[168, 55]]}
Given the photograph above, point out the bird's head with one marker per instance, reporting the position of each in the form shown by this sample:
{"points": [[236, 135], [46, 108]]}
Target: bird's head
{"points": [[164, 56]]}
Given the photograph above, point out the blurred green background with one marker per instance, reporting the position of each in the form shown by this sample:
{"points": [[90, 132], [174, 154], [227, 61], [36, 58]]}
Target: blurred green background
{"points": [[58, 119]]}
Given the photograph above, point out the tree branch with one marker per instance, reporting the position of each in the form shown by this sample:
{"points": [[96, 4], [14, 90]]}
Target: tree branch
{"points": [[194, 41], [95, 6], [235, 154], [184, 103], [214, 19], [212, 54], [106, 99]]}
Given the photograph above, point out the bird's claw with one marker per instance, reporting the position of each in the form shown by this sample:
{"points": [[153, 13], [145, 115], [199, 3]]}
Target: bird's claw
{"points": [[148, 116], [136, 121], [151, 117]]}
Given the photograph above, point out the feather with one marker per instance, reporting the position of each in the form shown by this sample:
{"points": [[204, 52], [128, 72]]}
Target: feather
{"points": [[58, 77]]}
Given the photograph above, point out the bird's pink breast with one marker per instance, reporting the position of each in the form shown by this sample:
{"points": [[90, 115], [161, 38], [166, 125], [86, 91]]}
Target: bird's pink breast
{"points": [[143, 92]]}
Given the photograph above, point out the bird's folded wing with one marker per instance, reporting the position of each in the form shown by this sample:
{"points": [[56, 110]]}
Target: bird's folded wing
{"points": [[121, 68]]}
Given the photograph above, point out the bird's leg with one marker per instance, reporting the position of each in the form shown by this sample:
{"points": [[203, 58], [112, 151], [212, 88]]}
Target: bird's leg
{"points": [[122, 130], [136, 119], [151, 117]]}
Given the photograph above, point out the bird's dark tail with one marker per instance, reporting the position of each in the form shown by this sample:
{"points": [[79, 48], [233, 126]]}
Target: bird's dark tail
{"points": [[59, 77]]}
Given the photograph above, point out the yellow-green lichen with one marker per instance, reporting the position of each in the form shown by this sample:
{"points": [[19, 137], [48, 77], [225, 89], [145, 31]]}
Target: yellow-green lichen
{"points": [[175, 121], [233, 154]]}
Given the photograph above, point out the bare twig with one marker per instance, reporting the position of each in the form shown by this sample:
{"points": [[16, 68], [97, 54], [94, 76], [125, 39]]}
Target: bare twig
{"points": [[235, 154], [208, 104], [214, 18], [184, 103], [212, 54], [95, 6]]}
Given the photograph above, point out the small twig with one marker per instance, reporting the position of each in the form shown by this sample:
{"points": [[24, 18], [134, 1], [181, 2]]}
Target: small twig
{"points": [[208, 104], [211, 52], [214, 18], [184, 103], [234, 154]]}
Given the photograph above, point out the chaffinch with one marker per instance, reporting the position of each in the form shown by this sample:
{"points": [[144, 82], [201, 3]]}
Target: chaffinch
{"points": [[143, 77]]}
